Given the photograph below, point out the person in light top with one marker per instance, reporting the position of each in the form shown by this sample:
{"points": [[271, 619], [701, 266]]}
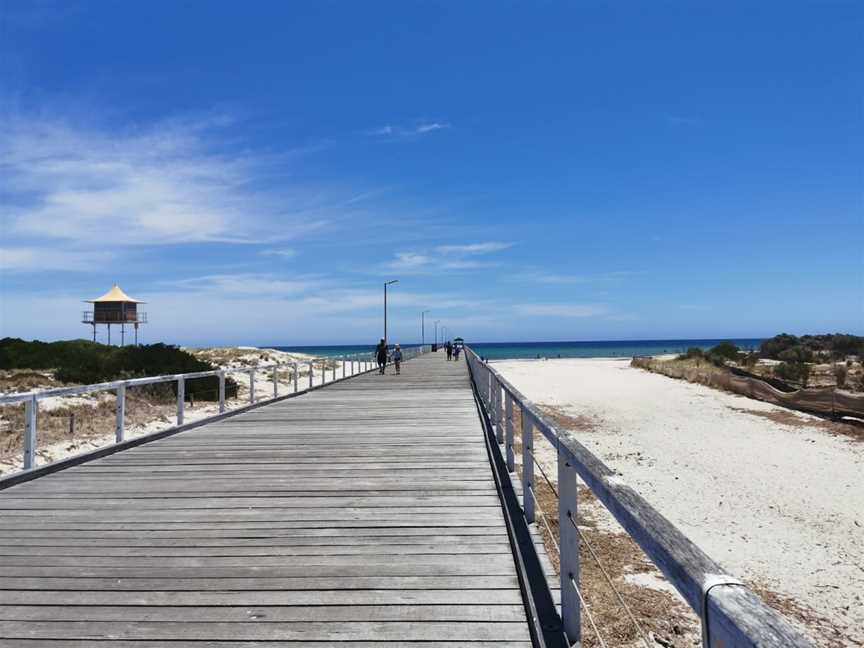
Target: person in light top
{"points": [[397, 358]]}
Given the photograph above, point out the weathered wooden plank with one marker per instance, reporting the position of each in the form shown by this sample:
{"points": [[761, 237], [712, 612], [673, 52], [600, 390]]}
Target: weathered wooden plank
{"points": [[290, 597], [271, 613], [360, 549], [307, 631], [86, 643]]}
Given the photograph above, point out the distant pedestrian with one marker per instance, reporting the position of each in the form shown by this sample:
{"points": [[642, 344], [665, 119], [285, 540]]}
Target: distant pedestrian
{"points": [[397, 359], [449, 348], [381, 355], [456, 350]]}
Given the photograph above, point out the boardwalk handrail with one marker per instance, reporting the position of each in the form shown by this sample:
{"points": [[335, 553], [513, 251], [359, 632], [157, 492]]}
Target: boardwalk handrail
{"points": [[731, 614], [352, 364]]}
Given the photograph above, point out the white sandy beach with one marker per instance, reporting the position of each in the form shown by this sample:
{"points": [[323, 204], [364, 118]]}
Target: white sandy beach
{"points": [[780, 504]]}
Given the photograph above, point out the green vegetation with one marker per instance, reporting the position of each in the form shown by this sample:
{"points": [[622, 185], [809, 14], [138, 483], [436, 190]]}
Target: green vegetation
{"points": [[717, 355], [85, 362], [797, 372], [811, 348]]}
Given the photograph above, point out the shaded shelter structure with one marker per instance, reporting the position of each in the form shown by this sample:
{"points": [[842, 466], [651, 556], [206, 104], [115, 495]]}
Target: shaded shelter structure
{"points": [[115, 307]]}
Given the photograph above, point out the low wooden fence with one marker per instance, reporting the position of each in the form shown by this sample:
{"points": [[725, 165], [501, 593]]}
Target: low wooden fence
{"points": [[828, 401], [348, 365], [732, 615]]}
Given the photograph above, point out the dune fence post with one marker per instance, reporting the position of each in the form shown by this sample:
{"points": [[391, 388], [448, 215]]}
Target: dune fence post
{"points": [[30, 411], [120, 425], [181, 399], [251, 386], [221, 391], [569, 554], [295, 377], [275, 381]]}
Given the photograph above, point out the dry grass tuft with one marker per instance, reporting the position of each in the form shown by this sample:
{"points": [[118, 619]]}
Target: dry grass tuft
{"points": [[791, 419]]}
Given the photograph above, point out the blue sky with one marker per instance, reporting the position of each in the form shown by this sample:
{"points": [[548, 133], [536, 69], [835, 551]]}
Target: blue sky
{"points": [[528, 171]]}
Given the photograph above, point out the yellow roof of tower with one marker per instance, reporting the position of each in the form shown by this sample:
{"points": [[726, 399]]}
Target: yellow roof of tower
{"points": [[115, 295]]}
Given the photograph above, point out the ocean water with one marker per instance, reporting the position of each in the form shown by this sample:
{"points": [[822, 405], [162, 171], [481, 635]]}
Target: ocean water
{"points": [[519, 350]]}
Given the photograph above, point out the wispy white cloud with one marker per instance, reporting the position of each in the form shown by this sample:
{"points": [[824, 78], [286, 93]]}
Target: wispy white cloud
{"points": [[473, 248], [428, 128], [285, 253], [40, 259], [412, 130], [542, 277], [246, 285], [166, 184], [444, 258], [560, 310]]}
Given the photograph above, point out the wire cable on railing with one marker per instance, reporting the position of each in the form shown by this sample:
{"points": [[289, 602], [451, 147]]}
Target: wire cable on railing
{"points": [[543, 472], [584, 538], [588, 613], [608, 578], [585, 605]]}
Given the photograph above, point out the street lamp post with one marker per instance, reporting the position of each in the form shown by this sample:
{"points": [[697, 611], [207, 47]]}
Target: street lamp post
{"points": [[436, 332], [386, 283], [423, 327]]}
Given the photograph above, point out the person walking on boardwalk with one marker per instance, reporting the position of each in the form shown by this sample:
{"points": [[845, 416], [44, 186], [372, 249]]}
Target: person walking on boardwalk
{"points": [[397, 359], [381, 355], [449, 348], [456, 350]]}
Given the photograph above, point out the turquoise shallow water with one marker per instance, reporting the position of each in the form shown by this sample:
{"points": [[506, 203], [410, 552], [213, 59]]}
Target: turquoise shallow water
{"points": [[516, 350]]}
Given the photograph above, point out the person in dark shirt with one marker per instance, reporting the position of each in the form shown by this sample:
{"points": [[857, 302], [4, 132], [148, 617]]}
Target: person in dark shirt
{"points": [[381, 355]]}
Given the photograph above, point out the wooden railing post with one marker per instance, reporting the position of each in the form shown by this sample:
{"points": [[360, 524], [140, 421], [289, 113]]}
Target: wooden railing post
{"points": [[295, 377], [527, 465], [120, 424], [275, 381], [508, 436], [30, 414], [251, 386], [181, 399], [499, 414], [569, 570], [221, 391], [311, 369]]}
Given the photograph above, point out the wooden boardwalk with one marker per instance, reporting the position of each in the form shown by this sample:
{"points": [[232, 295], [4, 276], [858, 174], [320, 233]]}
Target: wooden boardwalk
{"points": [[361, 514]]}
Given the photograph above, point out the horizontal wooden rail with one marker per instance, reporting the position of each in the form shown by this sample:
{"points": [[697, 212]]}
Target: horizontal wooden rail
{"points": [[351, 364], [731, 614]]}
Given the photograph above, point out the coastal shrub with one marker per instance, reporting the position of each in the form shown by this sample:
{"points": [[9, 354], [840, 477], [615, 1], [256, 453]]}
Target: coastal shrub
{"points": [[840, 375], [837, 346], [85, 362], [691, 354], [797, 372], [726, 350], [773, 347], [796, 353]]}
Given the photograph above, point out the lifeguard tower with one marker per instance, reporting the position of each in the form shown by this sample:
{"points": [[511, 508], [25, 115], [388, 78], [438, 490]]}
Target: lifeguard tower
{"points": [[115, 307]]}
